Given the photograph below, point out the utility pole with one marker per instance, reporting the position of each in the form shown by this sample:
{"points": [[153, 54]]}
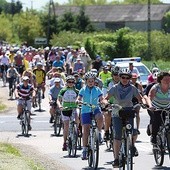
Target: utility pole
{"points": [[50, 10], [12, 13], [149, 30]]}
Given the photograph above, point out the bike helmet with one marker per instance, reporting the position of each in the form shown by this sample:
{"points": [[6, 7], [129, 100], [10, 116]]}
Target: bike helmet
{"points": [[115, 70], [125, 72], [70, 77], [155, 69], [89, 75]]}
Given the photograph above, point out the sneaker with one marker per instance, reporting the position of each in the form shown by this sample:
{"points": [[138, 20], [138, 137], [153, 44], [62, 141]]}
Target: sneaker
{"points": [[51, 119], [84, 155], [29, 127], [106, 136], [19, 117], [148, 130], [100, 138], [64, 147], [115, 163], [134, 151]]}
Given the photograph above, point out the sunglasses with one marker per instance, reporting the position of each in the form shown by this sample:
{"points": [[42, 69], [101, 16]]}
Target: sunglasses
{"points": [[70, 82], [127, 78], [90, 81]]}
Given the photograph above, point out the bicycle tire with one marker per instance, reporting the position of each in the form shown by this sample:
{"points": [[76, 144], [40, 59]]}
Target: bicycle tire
{"points": [[74, 140], [129, 156], [26, 122], [158, 151], [57, 124], [22, 125], [4, 78], [168, 141], [94, 151], [39, 99]]}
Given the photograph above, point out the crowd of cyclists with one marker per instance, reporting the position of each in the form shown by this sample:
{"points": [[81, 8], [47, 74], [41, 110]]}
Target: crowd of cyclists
{"points": [[73, 77]]}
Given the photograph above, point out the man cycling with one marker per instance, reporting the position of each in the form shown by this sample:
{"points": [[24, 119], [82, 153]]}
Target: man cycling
{"points": [[12, 75], [90, 94], [52, 95], [40, 75], [24, 91], [123, 92], [67, 103]]}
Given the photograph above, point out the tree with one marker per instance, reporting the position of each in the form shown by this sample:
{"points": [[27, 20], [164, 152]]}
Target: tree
{"points": [[166, 22], [83, 23], [2, 4], [86, 2], [13, 7], [141, 2]]}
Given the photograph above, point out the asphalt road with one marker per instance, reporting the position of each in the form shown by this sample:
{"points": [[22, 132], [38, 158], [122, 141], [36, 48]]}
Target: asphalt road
{"points": [[41, 138]]}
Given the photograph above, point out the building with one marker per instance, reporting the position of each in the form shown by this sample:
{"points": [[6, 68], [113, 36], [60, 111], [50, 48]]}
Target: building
{"points": [[119, 16]]}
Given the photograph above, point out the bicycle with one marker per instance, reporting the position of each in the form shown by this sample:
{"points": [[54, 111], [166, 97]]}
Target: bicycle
{"points": [[73, 132], [57, 122], [162, 138], [12, 80], [25, 119], [93, 140], [38, 98], [4, 74], [127, 147]]}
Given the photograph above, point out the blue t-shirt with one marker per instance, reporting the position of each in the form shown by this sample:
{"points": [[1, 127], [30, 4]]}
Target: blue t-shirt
{"points": [[90, 96], [58, 64]]}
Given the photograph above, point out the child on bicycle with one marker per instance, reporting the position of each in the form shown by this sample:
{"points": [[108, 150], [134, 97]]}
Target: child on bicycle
{"points": [[90, 94], [67, 103]]}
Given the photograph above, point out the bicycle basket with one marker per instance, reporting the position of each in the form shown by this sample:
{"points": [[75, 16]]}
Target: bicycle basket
{"points": [[67, 113], [125, 114]]}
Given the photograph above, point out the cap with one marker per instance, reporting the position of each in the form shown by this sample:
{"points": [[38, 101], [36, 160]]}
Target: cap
{"points": [[78, 59], [97, 57], [105, 68], [56, 80], [25, 78], [39, 64], [134, 76]]}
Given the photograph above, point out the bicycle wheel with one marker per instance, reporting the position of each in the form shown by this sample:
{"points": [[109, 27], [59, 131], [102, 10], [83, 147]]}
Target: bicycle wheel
{"points": [[57, 124], [39, 99], [4, 78], [158, 151], [26, 122], [168, 141], [129, 154], [94, 152], [122, 159], [72, 142], [22, 125]]}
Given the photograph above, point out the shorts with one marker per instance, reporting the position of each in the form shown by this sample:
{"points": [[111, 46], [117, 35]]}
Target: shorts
{"points": [[65, 118], [21, 102], [117, 127], [86, 117]]}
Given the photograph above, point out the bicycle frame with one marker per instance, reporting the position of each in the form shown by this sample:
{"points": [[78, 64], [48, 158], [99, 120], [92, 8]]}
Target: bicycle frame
{"points": [[57, 122]]}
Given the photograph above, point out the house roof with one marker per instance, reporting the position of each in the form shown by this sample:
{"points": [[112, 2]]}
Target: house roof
{"points": [[118, 13]]}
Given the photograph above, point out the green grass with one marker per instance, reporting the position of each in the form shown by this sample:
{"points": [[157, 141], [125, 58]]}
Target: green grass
{"points": [[162, 65], [7, 148], [2, 106]]}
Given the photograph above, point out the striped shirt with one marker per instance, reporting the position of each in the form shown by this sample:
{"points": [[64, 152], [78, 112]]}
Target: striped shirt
{"points": [[161, 100], [25, 92]]}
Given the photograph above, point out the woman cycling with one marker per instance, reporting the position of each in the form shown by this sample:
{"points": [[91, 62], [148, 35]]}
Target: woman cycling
{"points": [[159, 97], [123, 92], [90, 94]]}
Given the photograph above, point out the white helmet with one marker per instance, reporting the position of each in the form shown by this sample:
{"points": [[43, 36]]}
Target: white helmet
{"points": [[89, 75]]}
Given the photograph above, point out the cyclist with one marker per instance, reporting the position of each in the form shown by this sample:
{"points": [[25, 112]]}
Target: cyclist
{"points": [[25, 91], [123, 92], [52, 95], [151, 76], [103, 75], [79, 82], [12, 75], [66, 101], [90, 94], [109, 83], [40, 75], [159, 97]]}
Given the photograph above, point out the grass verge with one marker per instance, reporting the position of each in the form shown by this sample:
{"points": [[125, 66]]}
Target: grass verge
{"points": [[11, 158], [2, 106]]}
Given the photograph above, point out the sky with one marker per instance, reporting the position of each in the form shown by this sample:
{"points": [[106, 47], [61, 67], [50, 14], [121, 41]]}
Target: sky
{"points": [[38, 4]]}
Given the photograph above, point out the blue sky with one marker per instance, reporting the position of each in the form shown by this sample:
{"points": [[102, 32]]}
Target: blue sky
{"points": [[38, 4]]}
